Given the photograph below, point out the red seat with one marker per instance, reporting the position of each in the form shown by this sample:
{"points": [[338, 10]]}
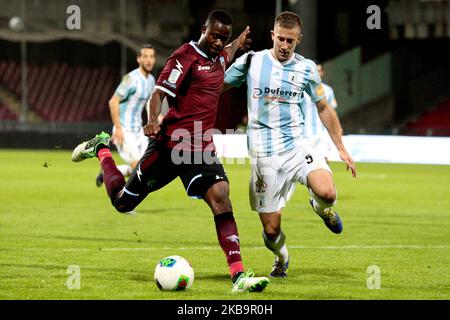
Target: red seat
{"points": [[435, 122], [6, 113], [62, 93]]}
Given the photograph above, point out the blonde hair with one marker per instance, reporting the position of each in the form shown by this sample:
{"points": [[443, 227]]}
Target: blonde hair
{"points": [[288, 19]]}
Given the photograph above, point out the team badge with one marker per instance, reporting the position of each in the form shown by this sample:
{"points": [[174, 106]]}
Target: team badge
{"points": [[222, 62], [260, 186], [320, 91], [174, 75]]}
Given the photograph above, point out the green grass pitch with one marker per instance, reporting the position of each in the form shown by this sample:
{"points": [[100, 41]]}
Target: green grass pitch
{"points": [[396, 217]]}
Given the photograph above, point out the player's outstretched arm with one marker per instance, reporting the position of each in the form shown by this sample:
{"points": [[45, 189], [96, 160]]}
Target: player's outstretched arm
{"points": [[240, 43], [152, 126], [117, 136], [330, 120]]}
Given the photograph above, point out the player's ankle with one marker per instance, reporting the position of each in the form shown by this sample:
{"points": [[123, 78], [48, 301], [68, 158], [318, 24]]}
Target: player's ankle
{"points": [[103, 153], [236, 276]]}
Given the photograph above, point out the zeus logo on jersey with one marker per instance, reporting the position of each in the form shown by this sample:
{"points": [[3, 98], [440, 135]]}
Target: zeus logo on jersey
{"points": [[204, 68], [257, 92]]}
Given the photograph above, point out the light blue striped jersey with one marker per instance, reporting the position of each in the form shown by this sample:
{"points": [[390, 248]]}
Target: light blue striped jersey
{"points": [[134, 92], [275, 93], [313, 124]]}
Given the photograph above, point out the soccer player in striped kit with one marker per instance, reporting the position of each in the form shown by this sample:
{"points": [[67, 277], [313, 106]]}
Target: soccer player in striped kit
{"points": [[277, 80], [126, 107]]}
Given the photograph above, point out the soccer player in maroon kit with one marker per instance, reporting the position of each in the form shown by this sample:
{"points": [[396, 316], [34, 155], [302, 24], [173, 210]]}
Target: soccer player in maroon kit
{"points": [[181, 146]]}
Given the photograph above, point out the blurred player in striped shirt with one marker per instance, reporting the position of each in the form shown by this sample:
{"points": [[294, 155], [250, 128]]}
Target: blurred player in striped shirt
{"points": [[314, 128], [126, 107]]}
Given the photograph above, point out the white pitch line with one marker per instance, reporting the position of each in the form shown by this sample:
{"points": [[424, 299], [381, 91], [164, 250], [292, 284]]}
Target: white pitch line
{"points": [[344, 247]]}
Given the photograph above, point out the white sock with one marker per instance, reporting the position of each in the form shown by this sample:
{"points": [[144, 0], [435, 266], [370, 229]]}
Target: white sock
{"points": [[283, 255], [278, 247], [318, 204], [125, 169]]}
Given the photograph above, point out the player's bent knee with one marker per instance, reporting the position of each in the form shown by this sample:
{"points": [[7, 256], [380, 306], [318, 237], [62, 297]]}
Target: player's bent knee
{"points": [[326, 194], [124, 206], [218, 198], [220, 188], [329, 195], [271, 232]]}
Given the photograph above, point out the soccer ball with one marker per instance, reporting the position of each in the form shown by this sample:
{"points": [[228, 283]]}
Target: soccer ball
{"points": [[174, 273], [15, 23]]}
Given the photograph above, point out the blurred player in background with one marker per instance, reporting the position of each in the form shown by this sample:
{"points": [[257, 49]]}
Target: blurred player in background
{"points": [[314, 128], [277, 80], [242, 127], [181, 146], [126, 107]]}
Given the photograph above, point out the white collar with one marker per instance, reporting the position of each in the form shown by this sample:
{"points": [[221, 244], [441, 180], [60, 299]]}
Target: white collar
{"points": [[138, 70], [277, 61], [195, 46]]}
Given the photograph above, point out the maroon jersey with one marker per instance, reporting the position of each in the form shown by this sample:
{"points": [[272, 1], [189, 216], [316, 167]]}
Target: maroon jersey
{"points": [[193, 83]]}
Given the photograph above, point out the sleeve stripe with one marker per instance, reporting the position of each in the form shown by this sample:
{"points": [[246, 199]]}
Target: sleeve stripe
{"points": [[170, 93]]}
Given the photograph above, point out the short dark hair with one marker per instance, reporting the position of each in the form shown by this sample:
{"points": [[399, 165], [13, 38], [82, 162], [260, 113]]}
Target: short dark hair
{"points": [[219, 15], [145, 46], [288, 19]]}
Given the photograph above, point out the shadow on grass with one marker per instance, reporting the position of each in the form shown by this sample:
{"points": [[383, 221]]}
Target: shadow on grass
{"points": [[159, 210], [63, 267], [217, 276], [133, 238], [324, 272], [141, 277]]}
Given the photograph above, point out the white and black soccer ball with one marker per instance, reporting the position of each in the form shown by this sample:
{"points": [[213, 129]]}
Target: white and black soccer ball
{"points": [[15, 23], [174, 273]]}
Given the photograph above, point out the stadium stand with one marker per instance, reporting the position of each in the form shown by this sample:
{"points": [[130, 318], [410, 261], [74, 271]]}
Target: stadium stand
{"points": [[6, 113], [431, 123], [58, 92]]}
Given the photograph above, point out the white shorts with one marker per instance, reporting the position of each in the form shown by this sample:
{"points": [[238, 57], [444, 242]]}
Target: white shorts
{"points": [[133, 147], [272, 177]]}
